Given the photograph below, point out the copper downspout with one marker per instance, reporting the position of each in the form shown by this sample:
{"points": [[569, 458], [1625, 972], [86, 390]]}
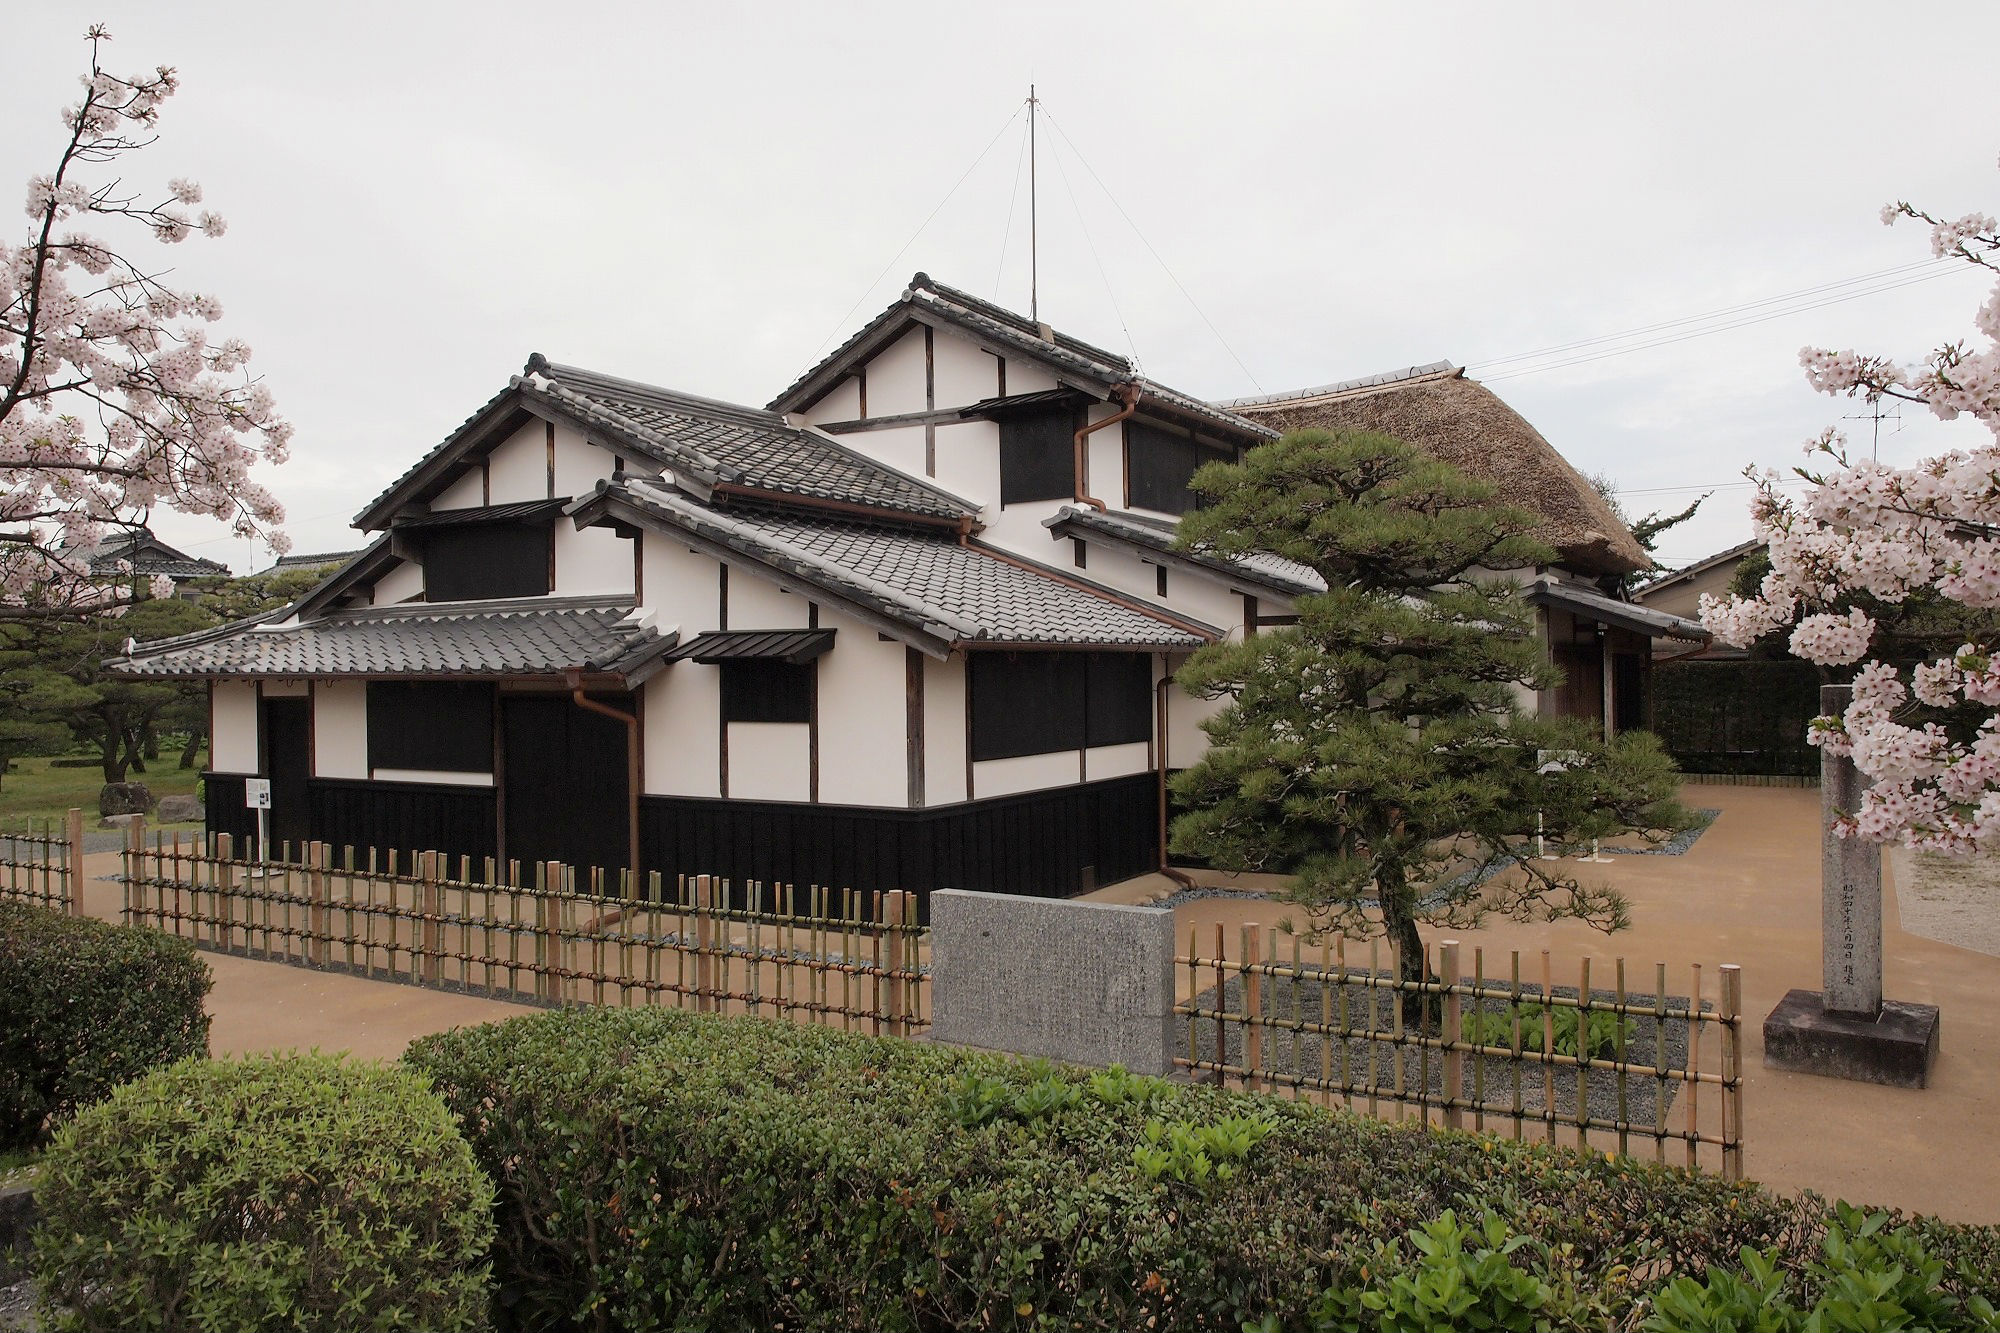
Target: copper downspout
{"points": [[1126, 394], [574, 680], [1179, 877]]}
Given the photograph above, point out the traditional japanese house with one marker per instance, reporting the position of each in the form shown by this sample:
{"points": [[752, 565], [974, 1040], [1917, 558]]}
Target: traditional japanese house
{"points": [[912, 624]]}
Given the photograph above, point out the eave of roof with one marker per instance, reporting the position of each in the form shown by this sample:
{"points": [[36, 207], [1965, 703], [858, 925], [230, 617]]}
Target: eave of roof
{"points": [[1157, 540], [1699, 567], [1545, 591]]}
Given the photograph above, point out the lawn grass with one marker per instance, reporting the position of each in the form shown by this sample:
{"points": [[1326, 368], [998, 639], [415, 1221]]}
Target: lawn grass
{"points": [[33, 792]]}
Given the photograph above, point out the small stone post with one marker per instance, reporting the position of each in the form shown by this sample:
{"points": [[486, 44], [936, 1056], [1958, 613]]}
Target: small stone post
{"points": [[1850, 885]]}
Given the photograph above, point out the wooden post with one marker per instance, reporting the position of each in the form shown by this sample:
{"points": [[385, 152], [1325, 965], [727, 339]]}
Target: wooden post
{"points": [[1451, 1026], [222, 886], [319, 926], [893, 914], [1253, 1008], [1732, 1072], [548, 934], [135, 869], [704, 944], [430, 902], [73, 836]]}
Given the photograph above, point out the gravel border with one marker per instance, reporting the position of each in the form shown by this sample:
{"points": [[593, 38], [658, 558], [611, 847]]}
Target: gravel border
{"points": [[1646, 1097]]}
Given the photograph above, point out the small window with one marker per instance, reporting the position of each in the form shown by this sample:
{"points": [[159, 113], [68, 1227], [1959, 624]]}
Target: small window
{"points": [[1038, 456], [1158, 464], [1044, 703], [763, 691], [445, 726], [1118, 705], [480, 561]]}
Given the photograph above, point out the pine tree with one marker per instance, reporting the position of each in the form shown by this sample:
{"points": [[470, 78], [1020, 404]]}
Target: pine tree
{"points": [[1378, 751]]}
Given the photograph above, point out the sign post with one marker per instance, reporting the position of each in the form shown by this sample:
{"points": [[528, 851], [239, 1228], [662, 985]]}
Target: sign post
{"points": [[257, 796]]}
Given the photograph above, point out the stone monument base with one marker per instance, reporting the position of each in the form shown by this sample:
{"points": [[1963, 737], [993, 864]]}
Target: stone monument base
{"points": [[1896, 1048]]}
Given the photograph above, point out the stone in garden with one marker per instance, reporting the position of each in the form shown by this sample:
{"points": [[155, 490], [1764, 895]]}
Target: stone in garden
{"points": [[121, 821], [179, 809], [124, 798]]}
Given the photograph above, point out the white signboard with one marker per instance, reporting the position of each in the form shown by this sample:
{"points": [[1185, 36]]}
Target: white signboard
{"points": [[257, 793]]}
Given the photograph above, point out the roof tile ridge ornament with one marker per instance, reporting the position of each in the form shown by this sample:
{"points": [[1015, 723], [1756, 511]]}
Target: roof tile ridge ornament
{"points": [[748, 532]]}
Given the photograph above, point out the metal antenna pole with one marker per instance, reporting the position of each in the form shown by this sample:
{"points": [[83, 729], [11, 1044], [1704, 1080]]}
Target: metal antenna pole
{"points": [[1034, 236]]}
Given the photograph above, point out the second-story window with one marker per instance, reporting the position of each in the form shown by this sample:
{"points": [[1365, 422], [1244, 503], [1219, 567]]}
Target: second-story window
{"points": [[1038, 455], [1158, 463], [480, 561]]}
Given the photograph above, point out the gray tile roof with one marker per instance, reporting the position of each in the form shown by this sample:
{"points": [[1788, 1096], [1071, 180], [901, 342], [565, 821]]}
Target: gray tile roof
{"points": [[1000, 325], [951, 592], [538, 636], [1546, 591], [148, 555], [702, 440], [1154, 534], [1376, 381]]}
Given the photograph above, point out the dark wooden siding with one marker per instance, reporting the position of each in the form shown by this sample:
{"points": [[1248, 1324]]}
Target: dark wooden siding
{"points": [[222, 796], [1040, 844], [407, 816]]}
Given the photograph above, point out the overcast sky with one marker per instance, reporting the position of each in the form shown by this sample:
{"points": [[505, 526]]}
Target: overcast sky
{"points": [[703, 196]]}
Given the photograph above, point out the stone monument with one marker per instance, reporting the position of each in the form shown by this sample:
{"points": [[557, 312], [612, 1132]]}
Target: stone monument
{"points": [[1847, 1030]]}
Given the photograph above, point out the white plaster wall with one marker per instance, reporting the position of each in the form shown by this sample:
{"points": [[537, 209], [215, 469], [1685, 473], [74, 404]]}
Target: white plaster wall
{"points": [[1025, 772], [519, 465], [592, 560], [580, 465], [863, 718], [684, 701], [340, 729], [843, 404], [1115, 761], [402, 584], [901, 447], [1186, 741], [963, 372], [468, 492], [1027, 377], [944, 730], [896, 377], [968, 462], [233, 748], [447, 777], [756, 604], [769, 761]]}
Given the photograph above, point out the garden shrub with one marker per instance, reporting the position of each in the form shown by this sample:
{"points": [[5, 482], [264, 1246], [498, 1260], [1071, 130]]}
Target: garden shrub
{"points": [[85, 1006], [1604, 1034], [303, 1192], [662, 1170]]}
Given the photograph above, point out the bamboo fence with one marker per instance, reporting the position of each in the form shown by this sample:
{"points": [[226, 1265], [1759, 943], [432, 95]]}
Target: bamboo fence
{"points": [[43, 864]]}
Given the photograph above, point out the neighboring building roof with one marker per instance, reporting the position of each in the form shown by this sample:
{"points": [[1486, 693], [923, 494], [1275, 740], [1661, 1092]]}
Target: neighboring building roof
{"points": [[540, 636], [148, 555], [313, 560], [1546, 591], [707, 445], [1464, 423], [950, 593], [1698, 568], [1156, 537], [929, 301]]}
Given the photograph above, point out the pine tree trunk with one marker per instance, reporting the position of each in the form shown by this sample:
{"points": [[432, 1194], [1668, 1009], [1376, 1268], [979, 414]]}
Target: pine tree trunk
{"points": [[107, 756], [193, 750], [1400, 924]]}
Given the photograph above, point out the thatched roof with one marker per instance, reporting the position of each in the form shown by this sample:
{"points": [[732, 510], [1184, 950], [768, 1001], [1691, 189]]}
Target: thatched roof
{"points": [[1461, 421]]}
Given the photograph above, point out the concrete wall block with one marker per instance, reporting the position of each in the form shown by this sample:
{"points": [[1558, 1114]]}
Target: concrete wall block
{"points": [[1088, 983]]}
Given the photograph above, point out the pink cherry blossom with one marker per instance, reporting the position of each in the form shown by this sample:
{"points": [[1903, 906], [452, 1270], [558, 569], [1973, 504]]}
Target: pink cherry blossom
{"points": [[114, 399]]}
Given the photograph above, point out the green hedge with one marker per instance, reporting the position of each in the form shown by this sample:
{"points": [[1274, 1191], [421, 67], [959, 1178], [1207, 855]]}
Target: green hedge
{"points": [[1742, 715], [302, 1192], [84, 1007], [659, 1170]]}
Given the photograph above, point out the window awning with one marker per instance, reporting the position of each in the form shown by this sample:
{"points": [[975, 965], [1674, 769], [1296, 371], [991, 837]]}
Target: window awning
{"points": [[796, 646]]}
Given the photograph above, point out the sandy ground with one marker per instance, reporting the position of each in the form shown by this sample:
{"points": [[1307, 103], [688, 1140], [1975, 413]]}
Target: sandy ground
{"points": [[1957, 902]]}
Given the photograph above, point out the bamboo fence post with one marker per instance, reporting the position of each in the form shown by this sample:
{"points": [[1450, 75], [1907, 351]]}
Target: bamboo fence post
{"points": [[547, 875], [1732, 1072], [73, 837], [893, 914], [1253, 1009], [135, 869], [431, 904], [319, 928], [1450, 1026], [704, 944]]}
